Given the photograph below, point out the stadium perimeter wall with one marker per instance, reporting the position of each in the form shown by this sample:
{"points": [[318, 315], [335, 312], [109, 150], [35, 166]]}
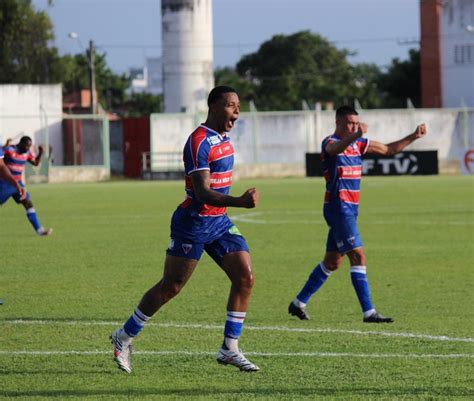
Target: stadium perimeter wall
{"points": [[273, 144], [36, 111], [33, 110]]}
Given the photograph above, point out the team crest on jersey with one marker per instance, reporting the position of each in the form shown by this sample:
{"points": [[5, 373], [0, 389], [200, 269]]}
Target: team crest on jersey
{"points": [[187, 248], [214, 140]]}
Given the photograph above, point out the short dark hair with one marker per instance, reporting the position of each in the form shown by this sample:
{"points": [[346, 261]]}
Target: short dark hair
{"points": [[345, 110], [25, 139], [216, 94]]}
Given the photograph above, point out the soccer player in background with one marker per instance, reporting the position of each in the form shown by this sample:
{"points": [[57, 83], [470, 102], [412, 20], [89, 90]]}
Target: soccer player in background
{"points": [[341, 158], [15, 159], [7, 177], [200, 223]]}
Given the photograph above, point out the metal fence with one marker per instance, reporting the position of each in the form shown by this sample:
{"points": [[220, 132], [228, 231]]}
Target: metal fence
{"points": [[162, 165]]}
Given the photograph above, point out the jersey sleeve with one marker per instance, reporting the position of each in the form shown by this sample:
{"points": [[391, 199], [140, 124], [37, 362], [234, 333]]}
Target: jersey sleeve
{"points": [[326, 142], [1, 153], [9, 151], [196, 153], [363, 144]]}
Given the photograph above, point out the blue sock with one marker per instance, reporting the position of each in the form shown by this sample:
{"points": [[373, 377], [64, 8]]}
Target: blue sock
{"points": [[361, 286], [316, 279], [33, 218], [233, 328], [135, 323]]}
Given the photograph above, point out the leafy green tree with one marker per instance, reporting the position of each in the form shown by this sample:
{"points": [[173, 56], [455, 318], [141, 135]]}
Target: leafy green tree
{"points": [[402, 81], [287, 69], [25, 54], [110, 86], [364, 87], [142, 104], [246, 89]]}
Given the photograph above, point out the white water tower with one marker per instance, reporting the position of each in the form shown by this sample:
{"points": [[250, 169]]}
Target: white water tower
{"points": [[188, 73]]}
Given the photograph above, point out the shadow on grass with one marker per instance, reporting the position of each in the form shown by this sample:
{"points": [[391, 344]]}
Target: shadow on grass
{"points": [[264, 392]]}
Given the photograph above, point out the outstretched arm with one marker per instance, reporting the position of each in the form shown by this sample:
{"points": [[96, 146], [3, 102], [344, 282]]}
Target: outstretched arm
{"points": [[390, 149], [201, 180]]}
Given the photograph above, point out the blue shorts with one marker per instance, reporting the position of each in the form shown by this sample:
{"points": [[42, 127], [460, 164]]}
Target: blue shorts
{"points": [[343, 234], [230, 241], [7, 190]]}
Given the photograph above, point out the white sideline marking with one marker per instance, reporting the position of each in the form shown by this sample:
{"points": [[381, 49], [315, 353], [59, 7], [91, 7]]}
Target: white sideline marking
{"points": [[302, 218], [270, 354], [247, 327]]}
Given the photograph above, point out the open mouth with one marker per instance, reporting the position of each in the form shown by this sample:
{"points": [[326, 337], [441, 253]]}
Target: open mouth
{"points": [[231, 123]]}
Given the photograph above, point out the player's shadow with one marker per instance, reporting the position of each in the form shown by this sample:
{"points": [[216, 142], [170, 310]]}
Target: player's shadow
{"points": [[260, 392]]}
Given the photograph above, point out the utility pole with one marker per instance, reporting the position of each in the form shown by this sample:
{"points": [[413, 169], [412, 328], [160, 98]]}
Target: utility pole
{"points": [[92, 77]]}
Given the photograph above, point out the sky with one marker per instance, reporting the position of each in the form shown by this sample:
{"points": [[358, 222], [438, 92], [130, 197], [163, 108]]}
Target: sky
{"points": [[129, 31]]}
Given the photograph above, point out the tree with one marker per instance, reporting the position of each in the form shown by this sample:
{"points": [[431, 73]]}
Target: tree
{"points": [[402, 81], [110, 87], [25, 55], [228, 76], [364, 85], [287, 69], [142, 104]]}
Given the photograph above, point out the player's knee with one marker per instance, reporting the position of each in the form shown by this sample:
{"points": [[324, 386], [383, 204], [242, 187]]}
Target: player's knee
{"points": [[332, 264], [27, 203], [357, 258], [244, 282], [171, 288]]}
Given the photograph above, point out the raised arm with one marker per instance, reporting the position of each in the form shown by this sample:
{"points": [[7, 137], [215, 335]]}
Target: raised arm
{"points": [[334, 148], [201, 180], [36, 161], [390, 149]]}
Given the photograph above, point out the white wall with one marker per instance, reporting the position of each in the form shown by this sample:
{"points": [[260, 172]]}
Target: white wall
{"points": [[32, 110], [285, 137], [457, 53]]}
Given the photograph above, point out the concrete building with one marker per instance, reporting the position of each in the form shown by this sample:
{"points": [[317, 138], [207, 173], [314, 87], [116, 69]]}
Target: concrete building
{"points": [[447, 53], [148, 79]]}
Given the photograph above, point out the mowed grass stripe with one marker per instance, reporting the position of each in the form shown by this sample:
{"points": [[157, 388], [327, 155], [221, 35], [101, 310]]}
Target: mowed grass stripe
{"points": [[247, 327]]}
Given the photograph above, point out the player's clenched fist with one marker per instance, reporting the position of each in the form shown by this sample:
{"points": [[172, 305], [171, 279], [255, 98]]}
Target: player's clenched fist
{"points": [[420, 131], [363, 127], [250, 198]]}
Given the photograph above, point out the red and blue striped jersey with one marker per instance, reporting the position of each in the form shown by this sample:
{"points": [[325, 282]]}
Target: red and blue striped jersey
{"points": [[206, 149], [16, 161], [343, 173]]}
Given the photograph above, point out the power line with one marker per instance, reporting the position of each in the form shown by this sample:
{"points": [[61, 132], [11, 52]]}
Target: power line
{"points": [[399, 40]]}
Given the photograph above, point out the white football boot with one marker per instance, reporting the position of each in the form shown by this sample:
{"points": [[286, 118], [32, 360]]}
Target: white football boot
{"points": [[122, 352], [227, 357]]}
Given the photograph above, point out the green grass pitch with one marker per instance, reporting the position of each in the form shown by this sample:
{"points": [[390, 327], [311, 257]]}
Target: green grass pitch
{"points": [[65, 294]]}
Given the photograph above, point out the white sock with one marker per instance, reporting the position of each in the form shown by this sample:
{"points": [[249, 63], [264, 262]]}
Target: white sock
{"points": [[298, 303], [367, 313], [232, 344], [124, 337]]}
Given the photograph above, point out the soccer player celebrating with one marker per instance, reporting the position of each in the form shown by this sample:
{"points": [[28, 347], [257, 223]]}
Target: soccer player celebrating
{"points": [[200, 223], [15, 159], [342, 167], [7, 177]]}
